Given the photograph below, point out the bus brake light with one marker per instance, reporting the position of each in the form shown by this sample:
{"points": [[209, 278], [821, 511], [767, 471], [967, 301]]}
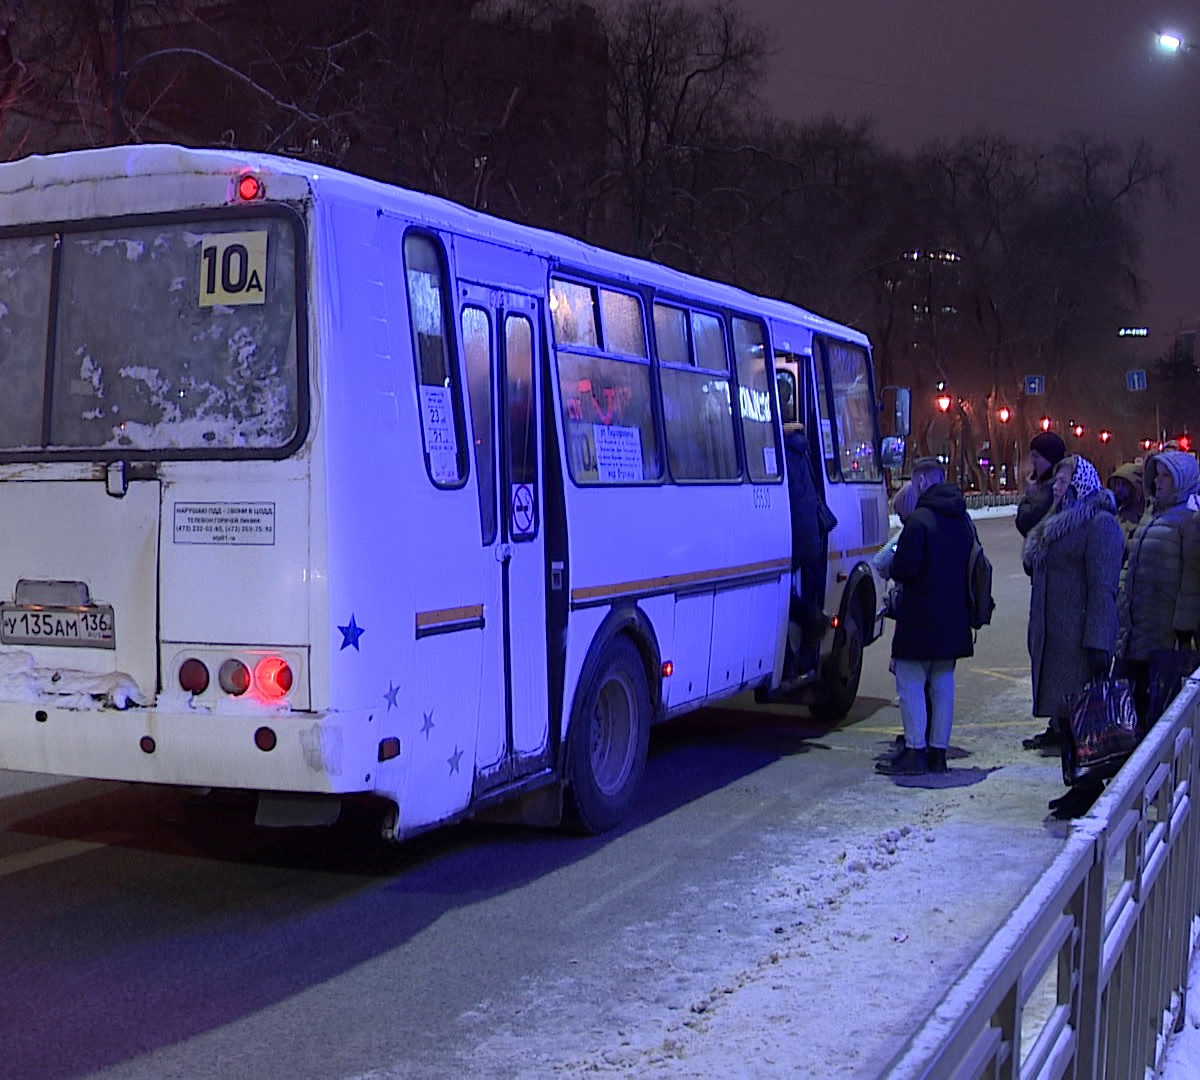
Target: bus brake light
{"points": [[273, 677]]}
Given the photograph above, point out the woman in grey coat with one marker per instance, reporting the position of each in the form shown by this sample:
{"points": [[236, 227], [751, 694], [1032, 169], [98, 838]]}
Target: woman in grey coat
{"points": [[1073, 556], [1159, 602]]}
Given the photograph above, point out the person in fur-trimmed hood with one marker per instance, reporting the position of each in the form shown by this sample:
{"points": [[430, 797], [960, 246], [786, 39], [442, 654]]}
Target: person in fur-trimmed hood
{"points": [[1073, 556], [1159, 601]]}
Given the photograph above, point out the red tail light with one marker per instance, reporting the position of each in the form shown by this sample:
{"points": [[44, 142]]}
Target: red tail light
{"points": [[193, 676], [273, 677]]}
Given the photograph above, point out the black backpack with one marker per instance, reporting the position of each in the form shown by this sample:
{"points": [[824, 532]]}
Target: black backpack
{"points": [[980, 603]]}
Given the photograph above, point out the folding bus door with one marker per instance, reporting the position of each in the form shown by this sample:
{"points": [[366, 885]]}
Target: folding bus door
{"points": [[502, 326]]}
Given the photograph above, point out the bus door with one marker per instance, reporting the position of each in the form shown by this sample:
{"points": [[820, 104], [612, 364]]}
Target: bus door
{"points": [[513, 729]]}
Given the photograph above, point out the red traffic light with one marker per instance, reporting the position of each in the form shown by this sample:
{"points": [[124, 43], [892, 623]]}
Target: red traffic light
{"points": [[1004, 414], [1077, 431], [943, 402], [1105, 435]]}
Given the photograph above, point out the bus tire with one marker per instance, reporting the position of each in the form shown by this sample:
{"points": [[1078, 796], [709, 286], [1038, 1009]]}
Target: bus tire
{"points": [[843, 669], [608, 740]]}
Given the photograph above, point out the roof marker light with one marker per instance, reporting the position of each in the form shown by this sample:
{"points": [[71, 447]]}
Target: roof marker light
{"points": [[249, 187]]}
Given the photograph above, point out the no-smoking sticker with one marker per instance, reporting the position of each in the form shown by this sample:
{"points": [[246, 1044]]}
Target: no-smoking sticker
{"points": [[522, 509]]}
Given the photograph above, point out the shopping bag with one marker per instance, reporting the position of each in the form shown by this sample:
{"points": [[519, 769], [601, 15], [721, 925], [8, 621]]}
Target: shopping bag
{"points": [[1168, 669], [1101, 731]]}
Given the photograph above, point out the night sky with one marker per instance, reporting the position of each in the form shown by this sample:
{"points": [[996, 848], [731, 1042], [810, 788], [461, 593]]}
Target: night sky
{"points": [[1033, 69]]}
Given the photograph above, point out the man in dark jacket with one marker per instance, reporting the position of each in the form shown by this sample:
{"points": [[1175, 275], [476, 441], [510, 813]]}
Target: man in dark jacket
{"points": [[1046, 450], [933, 626], [811, 521]]}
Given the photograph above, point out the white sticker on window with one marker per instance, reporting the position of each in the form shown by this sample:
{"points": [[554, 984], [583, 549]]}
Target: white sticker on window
{"points": [[769, 464], [233, 269], [827, 438], [441, 444], [618, 453]]}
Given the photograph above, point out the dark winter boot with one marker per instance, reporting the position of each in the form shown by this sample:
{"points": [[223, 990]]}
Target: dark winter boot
{"points": [[1044, 740], [1076, 802], [908, 762], [937, 760]]}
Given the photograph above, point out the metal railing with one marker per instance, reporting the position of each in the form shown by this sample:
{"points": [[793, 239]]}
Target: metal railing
{"points": [[976, 501], [1086, 978]]}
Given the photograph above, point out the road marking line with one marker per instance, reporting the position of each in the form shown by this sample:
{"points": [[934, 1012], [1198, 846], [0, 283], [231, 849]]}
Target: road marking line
{"points": [[48, 853], [633, 883], [1002, 673], [620, 890]]}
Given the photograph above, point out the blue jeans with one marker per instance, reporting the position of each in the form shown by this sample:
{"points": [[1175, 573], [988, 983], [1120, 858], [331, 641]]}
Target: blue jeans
{"points": [[912, 676]]}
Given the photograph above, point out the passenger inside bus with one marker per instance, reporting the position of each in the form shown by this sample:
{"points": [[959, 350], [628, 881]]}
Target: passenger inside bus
{"points": [[812, 521]]}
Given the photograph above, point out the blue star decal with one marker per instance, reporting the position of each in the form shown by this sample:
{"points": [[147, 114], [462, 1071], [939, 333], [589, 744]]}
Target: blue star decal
{"points": [[454, 759], [427, 727], [351, 633], [390, 696]]}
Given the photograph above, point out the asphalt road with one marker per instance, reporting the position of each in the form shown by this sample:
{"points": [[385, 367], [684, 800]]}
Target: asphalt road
{"points": [[154, 933]]}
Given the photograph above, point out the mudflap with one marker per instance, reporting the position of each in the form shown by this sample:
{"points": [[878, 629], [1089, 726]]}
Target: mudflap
{"points": [[540, 807]]}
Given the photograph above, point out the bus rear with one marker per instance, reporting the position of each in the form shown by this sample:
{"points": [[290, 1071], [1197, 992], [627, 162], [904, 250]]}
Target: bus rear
{"points": [[157, 555]]}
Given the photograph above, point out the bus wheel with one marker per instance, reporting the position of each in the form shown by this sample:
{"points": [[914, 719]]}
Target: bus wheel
{"points": [[843, 670], [608, 740]]}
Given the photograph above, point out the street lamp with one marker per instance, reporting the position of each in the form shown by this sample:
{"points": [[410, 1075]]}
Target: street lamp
{"points": [[1173, 43], [1044, 423], [1105, 435]]}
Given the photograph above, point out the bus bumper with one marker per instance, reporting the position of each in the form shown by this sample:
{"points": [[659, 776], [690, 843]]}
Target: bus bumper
{"points": [[262, 751]]}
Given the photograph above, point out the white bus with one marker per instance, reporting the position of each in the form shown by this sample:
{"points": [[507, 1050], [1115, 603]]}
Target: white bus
{"points": [[316, 487]]}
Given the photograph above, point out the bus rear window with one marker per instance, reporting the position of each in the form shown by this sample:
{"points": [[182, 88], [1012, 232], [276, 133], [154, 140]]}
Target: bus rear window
{"points": [[167, 336]]}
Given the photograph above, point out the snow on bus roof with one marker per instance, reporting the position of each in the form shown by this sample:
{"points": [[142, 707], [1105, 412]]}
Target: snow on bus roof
{"points": [[149, 160]]}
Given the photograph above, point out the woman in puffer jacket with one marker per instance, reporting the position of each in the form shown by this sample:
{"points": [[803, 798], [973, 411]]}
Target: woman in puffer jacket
{"points": [[1159, 600], [1073, 556]]}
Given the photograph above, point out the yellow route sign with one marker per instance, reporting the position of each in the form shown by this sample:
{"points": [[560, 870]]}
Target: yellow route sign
{"points": [[233, 269]]}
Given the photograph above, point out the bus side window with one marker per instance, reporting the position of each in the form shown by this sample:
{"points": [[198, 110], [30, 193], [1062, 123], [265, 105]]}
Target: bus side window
{"points": [[754, 400], [828, 453], [604, 384], [477, 351], [694, 373], [854, 412], [439, 393]]}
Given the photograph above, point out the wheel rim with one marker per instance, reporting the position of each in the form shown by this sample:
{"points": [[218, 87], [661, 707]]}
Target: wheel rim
{"points": [[614, 728]]}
